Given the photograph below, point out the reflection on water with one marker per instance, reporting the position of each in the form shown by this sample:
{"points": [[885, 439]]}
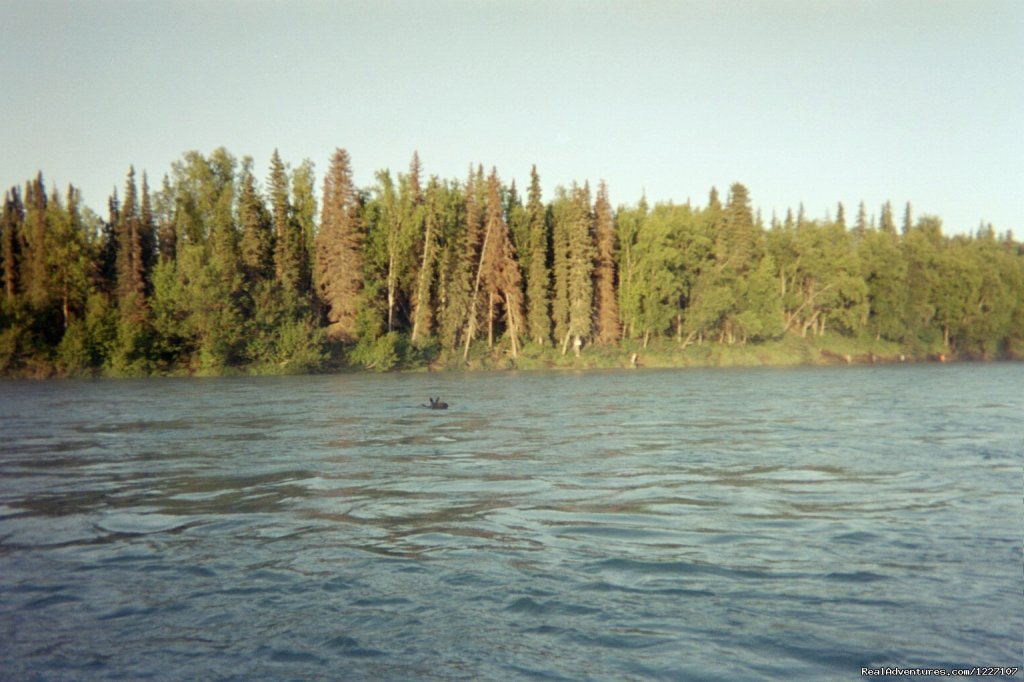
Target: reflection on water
{"points": [[749, 524]]}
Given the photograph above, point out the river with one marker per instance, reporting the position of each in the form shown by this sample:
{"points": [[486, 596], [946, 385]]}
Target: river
{"points": [[608, 525]]}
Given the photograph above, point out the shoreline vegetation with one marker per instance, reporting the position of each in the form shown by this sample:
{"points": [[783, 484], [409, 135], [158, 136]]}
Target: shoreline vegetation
{"points": [[213, 272], [789, 352]]}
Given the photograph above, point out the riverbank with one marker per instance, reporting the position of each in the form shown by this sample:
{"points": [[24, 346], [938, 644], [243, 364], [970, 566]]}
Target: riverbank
{"points": [[790, 351]]}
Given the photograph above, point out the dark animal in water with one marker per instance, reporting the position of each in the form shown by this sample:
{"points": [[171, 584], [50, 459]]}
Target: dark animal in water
{"points": [[436, 404]]}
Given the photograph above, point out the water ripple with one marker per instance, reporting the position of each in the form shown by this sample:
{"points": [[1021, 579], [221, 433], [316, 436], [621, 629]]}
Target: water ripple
{"points": [[605, 525]]}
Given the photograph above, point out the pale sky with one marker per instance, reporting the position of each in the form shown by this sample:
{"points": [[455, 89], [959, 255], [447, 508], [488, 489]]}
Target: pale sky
{"points": [[801, 101]]}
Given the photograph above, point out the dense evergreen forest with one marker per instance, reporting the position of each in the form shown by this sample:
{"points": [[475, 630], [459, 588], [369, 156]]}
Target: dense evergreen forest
{"points": [[214, 271]]}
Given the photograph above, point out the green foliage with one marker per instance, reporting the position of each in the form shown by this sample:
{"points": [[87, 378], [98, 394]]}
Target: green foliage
{"points": [[282, 336], [206, 275], [382, 354], [75, 357], [130, 356]]}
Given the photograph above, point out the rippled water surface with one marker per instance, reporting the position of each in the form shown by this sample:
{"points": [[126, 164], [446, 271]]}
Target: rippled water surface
{"points": [[747, 524]]}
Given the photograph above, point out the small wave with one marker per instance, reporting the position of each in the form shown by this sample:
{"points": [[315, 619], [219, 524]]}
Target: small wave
{"points": [[290, 656], [855, 577], [548, 607], [136, 426], [51, 600], [142, 524], [349, 646], [856, 538]]}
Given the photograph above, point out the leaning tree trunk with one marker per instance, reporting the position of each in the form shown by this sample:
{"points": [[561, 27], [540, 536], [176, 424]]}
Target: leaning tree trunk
{"points": [[423, 289], [513, 327], [471, 323]]}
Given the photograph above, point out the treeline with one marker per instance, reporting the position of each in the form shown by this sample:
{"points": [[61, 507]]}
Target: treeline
{"points": [[214, 270]]}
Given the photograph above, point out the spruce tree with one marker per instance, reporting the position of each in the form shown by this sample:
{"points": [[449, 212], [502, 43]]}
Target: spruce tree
{"points": [[338, 263], [538, 278], [34, 273], [304, 216], [257, 239], [737, 246], [860, 227], [462, 264], [607, 306], [147, 233], [562, 216], [130, 279], [415, 289], [424, 311], [290, 262], [886, 223], [167, 237], [581, 253], [130, 354], [389, 225], [107, 266], [11, 225], [497, 274], [451, 291], [908, 220]]}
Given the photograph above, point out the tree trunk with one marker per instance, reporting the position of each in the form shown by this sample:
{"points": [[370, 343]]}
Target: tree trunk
{"points": [[513, 327], [422, 287], [471, 324], [65, 307], [490, 319], [391, 292]]}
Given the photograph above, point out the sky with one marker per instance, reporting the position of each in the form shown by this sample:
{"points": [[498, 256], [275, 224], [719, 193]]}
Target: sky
{"points": [[821, 102]]}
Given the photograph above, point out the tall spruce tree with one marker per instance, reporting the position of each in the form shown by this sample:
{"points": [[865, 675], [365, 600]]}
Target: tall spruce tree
{"points": [[581, 255], [304, 208], [908, 220], [860, 227], [452, 281], [34, 267], [167, 236], [131, 285], [607, 312], [497, 276], [424, 310], [538, 277], [339, 248], [257, 238], [463, 264], [147, 233], [886, 222], [415, 289], [291, 264], [390, 227], [12, 224], [562, 216]]}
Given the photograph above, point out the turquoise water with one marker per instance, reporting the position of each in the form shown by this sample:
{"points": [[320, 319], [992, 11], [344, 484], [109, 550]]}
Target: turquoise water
{"points": [[704, 525]]}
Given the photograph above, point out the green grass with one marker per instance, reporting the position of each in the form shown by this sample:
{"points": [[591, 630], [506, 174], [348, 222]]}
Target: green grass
{"points": [[667, 353]]}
